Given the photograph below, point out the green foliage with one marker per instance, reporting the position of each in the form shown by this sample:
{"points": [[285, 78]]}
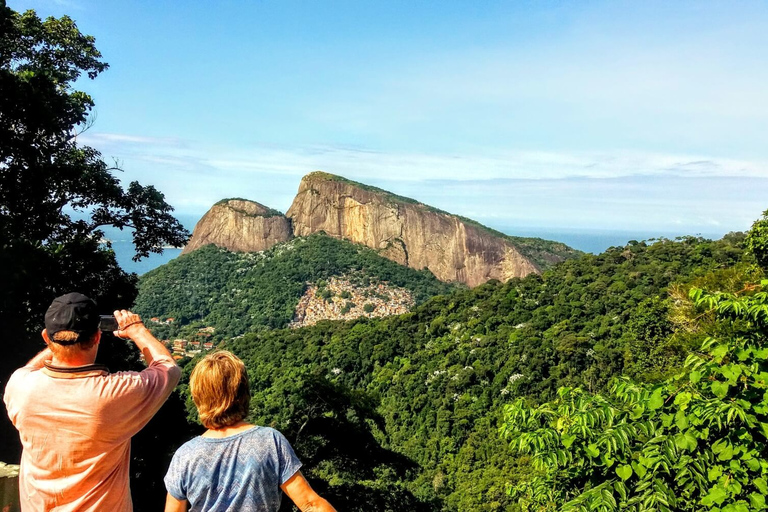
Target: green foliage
{"points": [[694, 442], [242, 292], [440, 375], [757, 240], [56, 194]]}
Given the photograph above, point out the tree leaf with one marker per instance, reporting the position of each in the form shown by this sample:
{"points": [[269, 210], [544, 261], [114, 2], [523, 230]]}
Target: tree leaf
{"points": [[720, 389], [640, 470], [656, 401], [716, 495], [624, 471], [682, 399], [757, 501]]}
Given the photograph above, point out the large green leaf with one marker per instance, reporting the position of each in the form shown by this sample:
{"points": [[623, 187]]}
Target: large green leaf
{"points": [[720, 389], [656, 401], [624, 471]]}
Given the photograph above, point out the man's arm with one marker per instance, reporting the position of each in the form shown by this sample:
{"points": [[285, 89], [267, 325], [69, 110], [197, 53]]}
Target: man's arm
{"points": [[35, 363], [298, 489], [174, 505], [131, 326]]}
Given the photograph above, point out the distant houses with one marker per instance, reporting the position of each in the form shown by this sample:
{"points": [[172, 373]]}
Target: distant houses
{"points": [[189, 348], [156, 320]]}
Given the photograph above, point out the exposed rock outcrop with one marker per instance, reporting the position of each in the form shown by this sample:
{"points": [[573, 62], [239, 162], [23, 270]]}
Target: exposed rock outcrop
{"points": [[240, 225], [453, 248], [340, 299], [406, 231]]}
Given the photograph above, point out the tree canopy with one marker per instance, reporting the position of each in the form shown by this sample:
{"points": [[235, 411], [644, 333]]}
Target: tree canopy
{"points": [[436, 380], [695, 441], [55, 193]]}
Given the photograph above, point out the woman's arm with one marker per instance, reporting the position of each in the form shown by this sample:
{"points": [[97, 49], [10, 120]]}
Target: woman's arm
{"points": [[174, 505], [298, 489]]}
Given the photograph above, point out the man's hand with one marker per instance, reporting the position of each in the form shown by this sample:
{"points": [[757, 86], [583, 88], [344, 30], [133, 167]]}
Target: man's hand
{"points": [[129, 324]]}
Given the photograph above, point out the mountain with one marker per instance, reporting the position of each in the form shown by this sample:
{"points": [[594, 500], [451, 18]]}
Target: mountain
{"points": [[240, 225], [439, 378], [402, 412], [453, 248], [237, 293]]}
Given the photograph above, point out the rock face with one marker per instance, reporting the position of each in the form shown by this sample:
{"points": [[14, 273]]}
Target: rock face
{"points": [[240, 225], [405, 231], [381, 299]]}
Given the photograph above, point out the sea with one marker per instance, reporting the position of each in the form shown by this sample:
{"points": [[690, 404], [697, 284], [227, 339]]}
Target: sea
{"points": [[593, 241], [122, 244]]}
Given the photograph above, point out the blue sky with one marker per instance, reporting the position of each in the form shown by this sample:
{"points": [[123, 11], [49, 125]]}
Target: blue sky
{"points": [[647, 116]]}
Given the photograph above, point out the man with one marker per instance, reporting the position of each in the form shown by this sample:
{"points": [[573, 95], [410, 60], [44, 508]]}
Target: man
{"points": [[75, 419]]}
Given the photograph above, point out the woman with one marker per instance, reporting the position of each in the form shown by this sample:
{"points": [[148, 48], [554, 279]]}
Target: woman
{"points": [[234, 465]]}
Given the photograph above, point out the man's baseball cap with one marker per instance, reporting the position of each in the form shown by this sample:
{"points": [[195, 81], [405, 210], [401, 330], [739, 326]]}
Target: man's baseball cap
{"points": [[72, 312]]}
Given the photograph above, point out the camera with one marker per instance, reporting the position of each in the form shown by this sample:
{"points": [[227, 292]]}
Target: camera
{"points": [[107, 323]]}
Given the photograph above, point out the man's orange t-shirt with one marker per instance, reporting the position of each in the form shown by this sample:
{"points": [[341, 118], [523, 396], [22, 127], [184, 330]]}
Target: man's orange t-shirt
{"points": [[76, 425]]}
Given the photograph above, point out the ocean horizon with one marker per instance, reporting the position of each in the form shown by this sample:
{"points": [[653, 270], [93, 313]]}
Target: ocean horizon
{"points": [[592, 241]]}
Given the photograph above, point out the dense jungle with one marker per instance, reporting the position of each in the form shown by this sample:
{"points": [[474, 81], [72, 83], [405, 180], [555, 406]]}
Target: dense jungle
{"points": [[635, 379]]}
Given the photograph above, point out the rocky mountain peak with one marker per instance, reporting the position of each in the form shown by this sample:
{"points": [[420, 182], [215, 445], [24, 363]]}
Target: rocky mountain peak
{"points": [[415, 234], [240, 225], [453, 248]]}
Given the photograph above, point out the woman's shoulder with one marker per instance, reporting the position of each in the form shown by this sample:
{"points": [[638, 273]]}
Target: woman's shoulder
{"points": [[187, 453], [194, 444], [262, 433]]}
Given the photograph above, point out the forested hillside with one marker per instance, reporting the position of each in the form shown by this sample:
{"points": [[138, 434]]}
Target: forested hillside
{"points": [[636, 379], [697, 440], [403, 412], [241, 292]]}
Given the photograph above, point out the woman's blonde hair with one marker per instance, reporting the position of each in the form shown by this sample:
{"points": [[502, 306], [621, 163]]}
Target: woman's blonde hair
{"points": [[220, 390]]}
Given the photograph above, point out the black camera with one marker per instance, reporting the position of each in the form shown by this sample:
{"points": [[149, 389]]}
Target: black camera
{"points": [[108, 323]]}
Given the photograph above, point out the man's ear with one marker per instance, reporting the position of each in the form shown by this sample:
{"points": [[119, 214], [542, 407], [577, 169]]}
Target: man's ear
{"points": [[98, 337], [45, 337]]}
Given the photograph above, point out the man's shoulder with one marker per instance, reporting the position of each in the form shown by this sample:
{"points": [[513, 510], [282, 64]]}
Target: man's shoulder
{"points": [[23, 374], [162, 366]]}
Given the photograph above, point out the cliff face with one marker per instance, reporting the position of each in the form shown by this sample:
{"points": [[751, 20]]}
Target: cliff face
{"points": [[240, 225], [405, 231]]}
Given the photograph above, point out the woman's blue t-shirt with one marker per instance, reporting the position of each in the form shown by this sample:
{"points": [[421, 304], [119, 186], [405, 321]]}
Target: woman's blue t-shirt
{"points": [[242, 472]]}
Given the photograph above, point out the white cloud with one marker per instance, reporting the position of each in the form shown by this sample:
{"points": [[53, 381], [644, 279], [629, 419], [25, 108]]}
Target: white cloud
{"points": [[96, 139], [365, 164], [599, 189]]}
